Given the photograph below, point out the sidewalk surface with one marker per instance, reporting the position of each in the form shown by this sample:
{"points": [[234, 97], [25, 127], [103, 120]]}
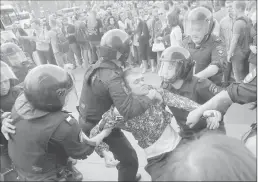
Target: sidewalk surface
{"points": [[237, 122]]}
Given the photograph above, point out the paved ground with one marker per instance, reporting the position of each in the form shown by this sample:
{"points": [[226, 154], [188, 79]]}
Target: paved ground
{"points": [[237, 120]]}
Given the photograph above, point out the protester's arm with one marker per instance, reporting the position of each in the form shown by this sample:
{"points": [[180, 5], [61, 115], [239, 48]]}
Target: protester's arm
{"points": [[174, 100]]}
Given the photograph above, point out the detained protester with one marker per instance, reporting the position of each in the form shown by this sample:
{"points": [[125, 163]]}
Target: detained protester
{"points": [[9, 93], [206, 49], [176, 71], [152, 128], [43, 156], [240, 93], [103, 87]]}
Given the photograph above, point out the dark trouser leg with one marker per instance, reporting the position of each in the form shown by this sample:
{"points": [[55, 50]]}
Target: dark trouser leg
{"points": [[77, 51], [50, 57], [239, 61], [42, 57], [122, 150], [125, 153], [94, 56], [227, 75]]}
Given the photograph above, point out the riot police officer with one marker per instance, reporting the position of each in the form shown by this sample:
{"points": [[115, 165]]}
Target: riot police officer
{"points": [[176, 71], [206, 49], [9, 93], [103, 86], [241, 93], [46, 135]]}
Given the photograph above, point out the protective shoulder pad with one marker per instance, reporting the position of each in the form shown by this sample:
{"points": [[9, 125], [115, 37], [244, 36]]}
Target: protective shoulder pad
{"points": [[70, 120]]}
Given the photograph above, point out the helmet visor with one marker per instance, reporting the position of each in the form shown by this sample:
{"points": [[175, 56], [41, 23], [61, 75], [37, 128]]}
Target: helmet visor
{"points": [[6, 72], [71, 100], [167, 70]]}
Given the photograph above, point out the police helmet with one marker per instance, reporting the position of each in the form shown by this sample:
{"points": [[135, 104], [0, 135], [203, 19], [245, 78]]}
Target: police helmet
{"points": [[115, 44], [175, 64], [199, 16], [47, 86]]}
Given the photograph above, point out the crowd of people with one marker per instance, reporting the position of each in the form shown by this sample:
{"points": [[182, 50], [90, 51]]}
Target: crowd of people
{"points": [[204, 53]]}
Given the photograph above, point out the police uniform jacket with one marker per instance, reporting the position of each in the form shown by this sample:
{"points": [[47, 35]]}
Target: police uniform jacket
{"points": [[210, 52], [43, 141], [105, 87]]}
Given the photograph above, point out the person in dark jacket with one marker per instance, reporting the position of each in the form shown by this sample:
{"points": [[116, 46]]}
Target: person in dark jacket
{"points": [[176, 71], [206, 49], [39, 113], [9, 93], [142, 32], [103, 87]]}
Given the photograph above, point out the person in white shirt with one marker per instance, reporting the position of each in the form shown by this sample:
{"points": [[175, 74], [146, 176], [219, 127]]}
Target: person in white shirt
{"points": [[176, 32]]}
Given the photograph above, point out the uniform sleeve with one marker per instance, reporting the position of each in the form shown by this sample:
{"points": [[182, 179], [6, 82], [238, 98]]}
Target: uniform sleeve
{"points": [[73, 143], [243, 93], [127, 105], [219, 55], [174, 100], [206, 89]]}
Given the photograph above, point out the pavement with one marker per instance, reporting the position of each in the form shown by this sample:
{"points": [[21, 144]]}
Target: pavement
{"points": [[237, 121]]}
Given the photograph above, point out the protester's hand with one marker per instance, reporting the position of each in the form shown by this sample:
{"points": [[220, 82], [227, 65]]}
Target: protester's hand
{"points": [[193, 118], [105, 132], [110, 161], [155, 95], [117, 115], [213, 118], [7, 127], [253, 49], [5, 115]]}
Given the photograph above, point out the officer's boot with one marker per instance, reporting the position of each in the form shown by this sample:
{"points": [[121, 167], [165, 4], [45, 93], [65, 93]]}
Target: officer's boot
{"points": [[152, 65], [76, 175], [145, 66]]}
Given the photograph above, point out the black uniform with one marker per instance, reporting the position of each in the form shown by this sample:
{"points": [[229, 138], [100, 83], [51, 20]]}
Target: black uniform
{"points": [[6, 105], [211, 52], [246, 91], [44, 141], [103, 86], [199, 90], [243, 93]]}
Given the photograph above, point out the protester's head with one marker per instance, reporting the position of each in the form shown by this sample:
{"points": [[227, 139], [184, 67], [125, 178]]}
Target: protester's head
{"points": [[238, 8], [229, 7], [135, 82], [199, 24], [111, 20], [35, 24], [52, 23], [211, 158], [173, 18], [92, 15]]}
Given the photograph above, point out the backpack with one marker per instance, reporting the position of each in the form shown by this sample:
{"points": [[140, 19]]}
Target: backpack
{"points": [[81, 35], [62, 42]]}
